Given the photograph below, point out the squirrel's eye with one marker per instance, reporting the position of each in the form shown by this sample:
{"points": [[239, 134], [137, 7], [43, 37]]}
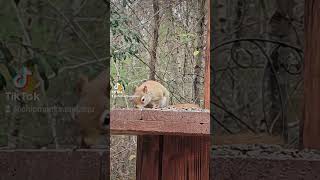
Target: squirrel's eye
{"points": [[142, 99]]}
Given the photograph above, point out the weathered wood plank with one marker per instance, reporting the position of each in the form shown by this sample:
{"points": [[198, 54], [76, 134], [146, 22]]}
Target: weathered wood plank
{"points": [[264, 169], [159, 122], [54, 164], [159, 128], [265, 162]]}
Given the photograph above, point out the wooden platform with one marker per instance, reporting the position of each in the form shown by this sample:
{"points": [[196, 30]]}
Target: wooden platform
{"points": [[160, 122]]}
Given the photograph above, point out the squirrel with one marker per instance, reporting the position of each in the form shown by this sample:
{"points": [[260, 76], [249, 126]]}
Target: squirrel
{"points": [[151, 94], [92, 122]]}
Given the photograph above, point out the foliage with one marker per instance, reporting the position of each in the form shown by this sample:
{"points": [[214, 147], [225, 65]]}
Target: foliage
{"points": [[257, 67], [125, 40], [58, 40]]}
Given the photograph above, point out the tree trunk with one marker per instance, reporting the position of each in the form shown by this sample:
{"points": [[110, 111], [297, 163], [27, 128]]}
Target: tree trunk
{"points": [[156, 24], [199, 58], [311, 130], [173, 59]]}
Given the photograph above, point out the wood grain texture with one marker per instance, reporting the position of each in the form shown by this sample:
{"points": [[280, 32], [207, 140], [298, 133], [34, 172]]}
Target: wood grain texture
{"points": [[158, 122], [311, 129], [54, 164], [186, 158], [148, 157], [247, 138], [161, 155], [229, 168], [173, 157]]}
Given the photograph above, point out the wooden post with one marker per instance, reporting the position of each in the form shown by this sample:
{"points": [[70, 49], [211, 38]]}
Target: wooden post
{"points": [[178, 149], [170, 157], [311, 130], [149, 157]]}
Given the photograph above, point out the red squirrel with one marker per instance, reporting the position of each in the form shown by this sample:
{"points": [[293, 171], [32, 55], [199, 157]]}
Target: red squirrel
{"points": [[151, 94], [92, 108]]}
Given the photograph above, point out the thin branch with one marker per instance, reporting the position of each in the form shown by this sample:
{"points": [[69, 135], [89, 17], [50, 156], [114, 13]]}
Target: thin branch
{"points": [[23, 28], [73, 28]]}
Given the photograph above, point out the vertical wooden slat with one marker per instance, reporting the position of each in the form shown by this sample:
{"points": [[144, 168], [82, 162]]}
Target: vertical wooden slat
{"points": [[148, 154], [311, 129], [173, 157], [185, 158]]}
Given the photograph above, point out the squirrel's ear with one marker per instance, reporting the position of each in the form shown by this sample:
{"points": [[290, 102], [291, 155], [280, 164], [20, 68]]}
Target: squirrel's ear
{"points": [[145, 89]]}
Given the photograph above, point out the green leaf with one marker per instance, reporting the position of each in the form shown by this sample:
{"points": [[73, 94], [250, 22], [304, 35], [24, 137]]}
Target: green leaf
{"points": [[196, 52]]}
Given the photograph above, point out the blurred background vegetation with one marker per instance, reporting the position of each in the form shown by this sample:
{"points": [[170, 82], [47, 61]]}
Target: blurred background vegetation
{"points": [[172, 35], [257, 56], [56, 40]]}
